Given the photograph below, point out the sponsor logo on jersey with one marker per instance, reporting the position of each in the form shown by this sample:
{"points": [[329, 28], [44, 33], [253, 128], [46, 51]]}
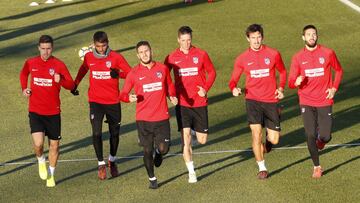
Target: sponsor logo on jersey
{"points": [[151, 87], [159, 74], [321, 60], [43, 82], [51, 71], [267, 61], [188, 71], [196, 60], [108, 64], [315, 72], [260, 73], [101, 75]]}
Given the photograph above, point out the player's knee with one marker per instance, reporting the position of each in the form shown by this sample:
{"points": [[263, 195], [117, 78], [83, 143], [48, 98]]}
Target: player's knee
{"points": [[97, 134], [202, 140], [163, 149]]}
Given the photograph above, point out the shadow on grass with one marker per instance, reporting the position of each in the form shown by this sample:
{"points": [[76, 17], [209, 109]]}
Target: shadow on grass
{"points": [[16, 49]]}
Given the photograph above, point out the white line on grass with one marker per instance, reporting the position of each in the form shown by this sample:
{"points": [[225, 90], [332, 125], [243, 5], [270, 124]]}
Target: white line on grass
{"points": [[351, 5], [179, 154]]}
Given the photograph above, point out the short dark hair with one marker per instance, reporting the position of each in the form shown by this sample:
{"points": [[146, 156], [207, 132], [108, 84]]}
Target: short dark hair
{"points": [[184, 30], [254, 28], [46, 39], [142, 43], [309, 27], [101, 36]]}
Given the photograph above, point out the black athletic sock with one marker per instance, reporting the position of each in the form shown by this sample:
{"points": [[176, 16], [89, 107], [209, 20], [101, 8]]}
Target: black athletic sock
{"points": [[148, 161], [98, 146], [114, 138], [314, 153]]}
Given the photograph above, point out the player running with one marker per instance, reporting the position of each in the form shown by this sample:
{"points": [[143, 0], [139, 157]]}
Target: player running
{"points": [[47, 75], [310, 72], [106, 67], [194, 75], [260, 62], [152, 83]]}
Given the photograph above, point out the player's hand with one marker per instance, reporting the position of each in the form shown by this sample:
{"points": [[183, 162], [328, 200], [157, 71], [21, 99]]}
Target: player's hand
{"points": [[201, 92], [74, 91], [132, 98], [57, 77], [174, 100], [236, 91], [27, 92], [114, 73], [330, 93], [299, 80], [279, 93]]}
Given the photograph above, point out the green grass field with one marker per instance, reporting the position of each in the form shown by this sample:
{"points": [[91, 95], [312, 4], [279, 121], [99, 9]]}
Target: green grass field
{"points": [[219, 29]]}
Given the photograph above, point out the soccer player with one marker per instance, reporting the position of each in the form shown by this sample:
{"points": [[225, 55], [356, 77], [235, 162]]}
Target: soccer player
{"points": [[106, 67], [194, 75], [310, 72], [152, 83], [260, 62], [47, 75]]}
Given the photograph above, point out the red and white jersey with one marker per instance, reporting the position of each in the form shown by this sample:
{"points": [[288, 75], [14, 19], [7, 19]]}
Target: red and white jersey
{"points": [[103, 89], [190, 71], [44, 99], [315, 66], [151, 87], [259, 67]]}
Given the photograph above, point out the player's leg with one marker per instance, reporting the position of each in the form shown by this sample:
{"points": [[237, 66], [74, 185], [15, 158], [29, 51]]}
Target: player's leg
{"points": [[255, 118], [201, 123], [324, 126], [146, 140], [309, 116], [162, 141], [53, 132], [113, 115], [272, 124], [38, 133], [96, 117]]}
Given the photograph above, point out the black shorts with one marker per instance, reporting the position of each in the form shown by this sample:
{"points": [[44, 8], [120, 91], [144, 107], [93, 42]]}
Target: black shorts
{"points": [[195, 118], [263, 113], [153, 133], [48, 124], [97, 113], [317, 120]]}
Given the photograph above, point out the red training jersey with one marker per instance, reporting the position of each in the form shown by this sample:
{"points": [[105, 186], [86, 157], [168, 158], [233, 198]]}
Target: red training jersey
{"points": [[103, 89], [44, 99], [315, 66], [190, 71], [259, 67], [151, 88]]}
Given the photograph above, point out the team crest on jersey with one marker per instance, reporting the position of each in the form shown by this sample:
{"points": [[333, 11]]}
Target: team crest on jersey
{"points": [[321, 60], [267, 61], [51, 71], [108, 64], [196, 60], [159, 74]]}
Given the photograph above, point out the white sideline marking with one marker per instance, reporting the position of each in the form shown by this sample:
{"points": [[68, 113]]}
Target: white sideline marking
{"points": [[179, 154], [351, 5]]}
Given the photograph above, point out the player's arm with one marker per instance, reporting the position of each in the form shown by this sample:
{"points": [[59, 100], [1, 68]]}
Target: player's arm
{"points": [[279, 65], [211, 73], [235, 76], [66, 80], [124, 92], [82, 71], [24, 75], [124, 66], [167, 63], [335, 64], [170, 88], [295, 77]]}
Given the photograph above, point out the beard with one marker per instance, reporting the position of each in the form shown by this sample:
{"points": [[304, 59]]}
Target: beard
{"points": [[311, 45], [146, 62]]}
